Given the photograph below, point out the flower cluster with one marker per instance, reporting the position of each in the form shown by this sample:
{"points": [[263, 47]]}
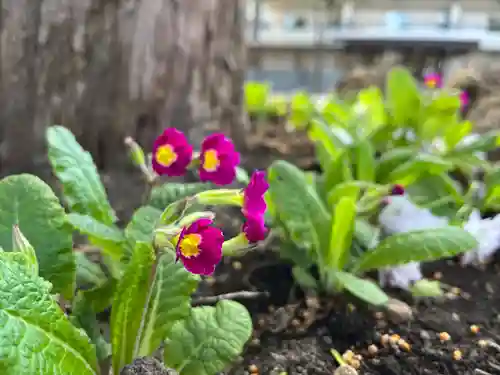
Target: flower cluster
{"points": [[172, 156], [199, 244]]}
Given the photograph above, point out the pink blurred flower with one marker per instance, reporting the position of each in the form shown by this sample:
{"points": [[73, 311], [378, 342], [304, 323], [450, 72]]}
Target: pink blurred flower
{"points": [[254, 228], [253, 194], [433, 80], [218, 160], [464, 99], [199, 247], [171, 153]]}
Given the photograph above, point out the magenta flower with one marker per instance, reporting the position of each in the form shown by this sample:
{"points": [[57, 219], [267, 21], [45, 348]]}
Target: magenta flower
{"points": [[464, 99], [199, 247], [253, 195], [254, 228], [432, 80], [218, 160], [171, 153]]}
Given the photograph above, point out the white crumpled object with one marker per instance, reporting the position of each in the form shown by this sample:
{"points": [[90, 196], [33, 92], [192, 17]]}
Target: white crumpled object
{"points": [[487, 234], [399, 216]]}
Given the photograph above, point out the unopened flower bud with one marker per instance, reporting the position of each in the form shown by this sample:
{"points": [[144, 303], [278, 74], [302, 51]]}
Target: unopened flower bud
{"points": [[136, 152], [230, 197]]}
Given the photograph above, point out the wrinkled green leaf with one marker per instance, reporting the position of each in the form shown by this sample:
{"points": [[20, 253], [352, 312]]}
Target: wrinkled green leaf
{"points": [[128, 306], [417, 246], [483, 143], [29, 202], [164, 195], [108, 238], [74, 167], [88, 272], [209, 340], [36, 336], [301, 110], [142, 225]]}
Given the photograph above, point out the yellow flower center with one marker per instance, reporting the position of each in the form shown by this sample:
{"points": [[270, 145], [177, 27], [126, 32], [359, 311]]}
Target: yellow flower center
{"points": [[211, 161], [431, 83], [189, 245], [165, 155]]}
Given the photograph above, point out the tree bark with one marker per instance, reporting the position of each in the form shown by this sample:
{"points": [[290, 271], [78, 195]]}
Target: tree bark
{"points": [[111, 68]]}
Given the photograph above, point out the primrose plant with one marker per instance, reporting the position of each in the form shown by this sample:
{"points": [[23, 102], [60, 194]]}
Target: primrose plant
{"points": [[338, 240], [51, 293]]}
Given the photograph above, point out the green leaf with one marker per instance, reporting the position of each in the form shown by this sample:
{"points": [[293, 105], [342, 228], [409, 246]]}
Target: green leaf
{"points": [[295, 199], [108, 238], [417, 246], [483, 143], [427, 288], [365, 290], [170, 302], [75, 169], [412, 170], [344, 214], [301, 110], [392, 159], [332, 140], [36, 336], [453, 135], [351, 188], [142, 225], [128, 306], [372, 100], [365, 161], [209, 340], [304, 278], [403, 97], [82, 316], [164, 195], [101, 297], [29, 202], [256, 96], [339, 171], [88, 272]]}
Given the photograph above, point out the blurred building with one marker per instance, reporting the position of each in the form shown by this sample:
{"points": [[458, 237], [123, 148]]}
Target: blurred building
{"points": [[309, 44]]}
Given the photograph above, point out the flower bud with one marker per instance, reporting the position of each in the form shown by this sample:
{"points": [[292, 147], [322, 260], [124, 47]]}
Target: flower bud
{"points": [[164, 236], [136, 152], [174, 211], [191, 218], [21, 244], [235, 245], [230, 197]]}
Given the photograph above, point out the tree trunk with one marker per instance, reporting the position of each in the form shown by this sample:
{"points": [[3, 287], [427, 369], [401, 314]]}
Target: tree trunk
{"points": [[111, 68]]}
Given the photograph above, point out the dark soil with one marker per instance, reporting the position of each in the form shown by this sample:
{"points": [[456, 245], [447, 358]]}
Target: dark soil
{"points": [[297, 338]]}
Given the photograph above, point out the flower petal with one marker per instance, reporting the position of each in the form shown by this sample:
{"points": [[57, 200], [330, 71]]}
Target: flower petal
{"points": [[255, 228], [210, 253]]}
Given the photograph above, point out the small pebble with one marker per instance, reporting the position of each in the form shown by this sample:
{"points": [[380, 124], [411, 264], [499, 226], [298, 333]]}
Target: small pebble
{"points": [[372, 350], [237, 265], [474, 329], [457, 355], [398, 311], [444, 336], [253, 369]]}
